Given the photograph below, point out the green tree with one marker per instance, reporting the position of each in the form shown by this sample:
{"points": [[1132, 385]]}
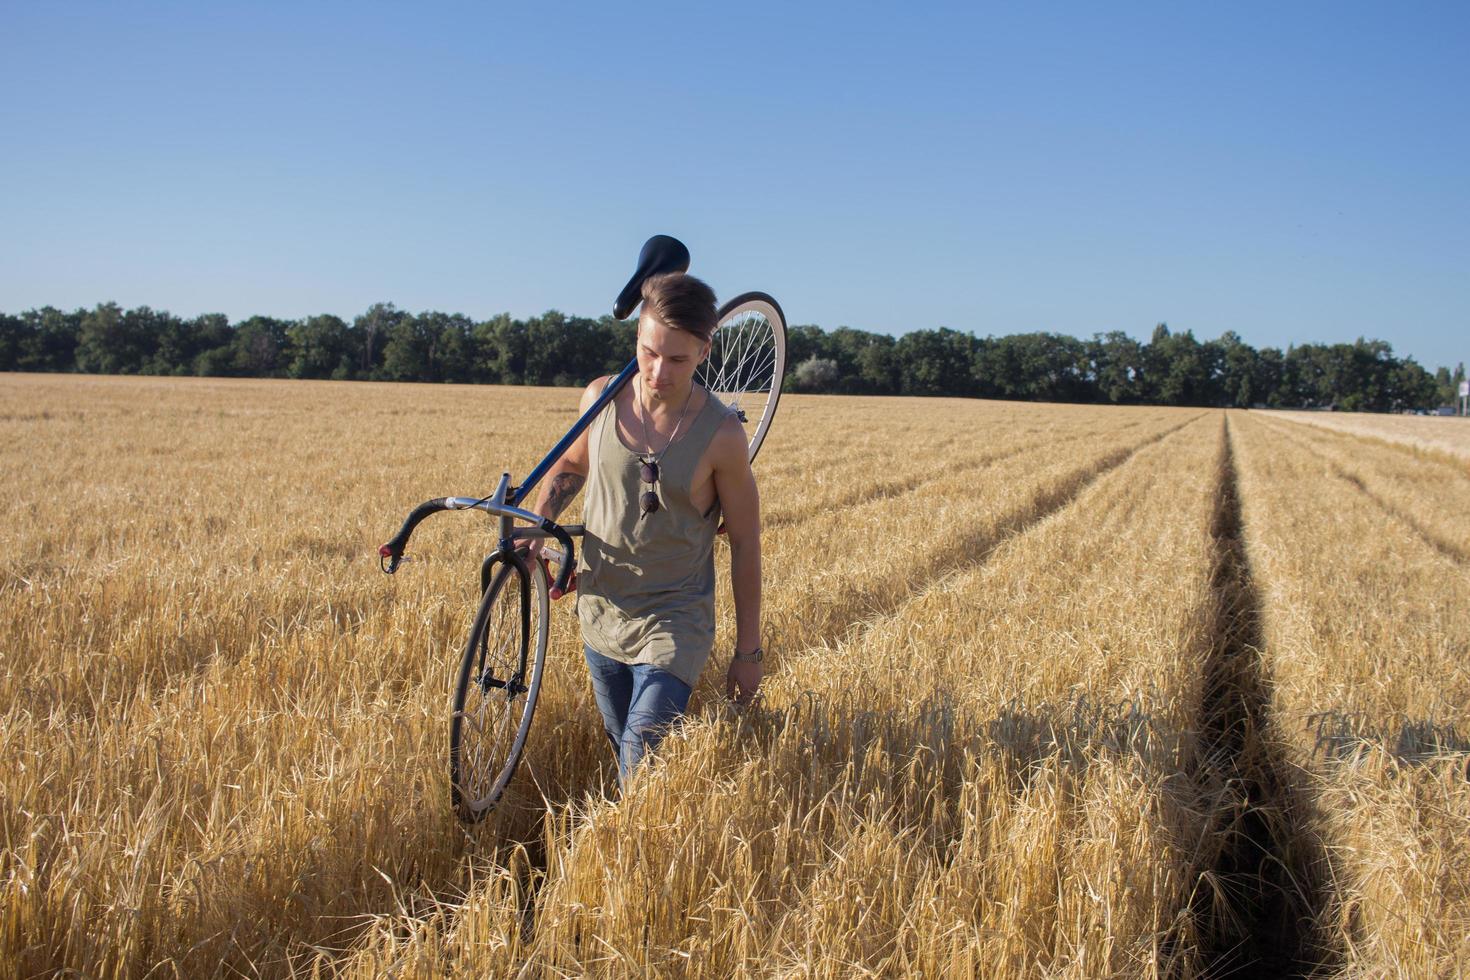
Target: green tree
{"points": [[617, 340], [877, 366], [935, 362], [550, 347], [408, 351], [14, 336], [1447, 385], [178, 343], [216, 339], [1115, 363], [107, 342], [1269, 377], [1235, 367], [259, 348], [1411, 386], [485, 349], [804, 341], [50, 340], [452, 349], [319, 347], [428, 347], [864, 361], [372, 330], [1034, 367], [513, 349], [1178, 371]]}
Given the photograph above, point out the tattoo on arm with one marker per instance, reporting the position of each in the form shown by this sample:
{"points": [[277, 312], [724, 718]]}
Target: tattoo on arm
{"points": [[564, 487]]}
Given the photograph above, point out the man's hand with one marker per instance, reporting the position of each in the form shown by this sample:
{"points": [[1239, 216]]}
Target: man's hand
{"points": [[743, 680], [534, 547]]}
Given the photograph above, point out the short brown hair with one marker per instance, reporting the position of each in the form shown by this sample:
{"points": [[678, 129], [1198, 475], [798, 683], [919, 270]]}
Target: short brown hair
{"points": [[680, 301]]}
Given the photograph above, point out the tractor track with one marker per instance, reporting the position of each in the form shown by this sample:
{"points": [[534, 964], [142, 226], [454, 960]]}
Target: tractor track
{"points": [[1258, 901], [1454, 552]]}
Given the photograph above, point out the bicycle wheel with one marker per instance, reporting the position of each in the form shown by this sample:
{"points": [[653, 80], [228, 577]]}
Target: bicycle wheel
{"points": [[747, 360], [499, 678]]}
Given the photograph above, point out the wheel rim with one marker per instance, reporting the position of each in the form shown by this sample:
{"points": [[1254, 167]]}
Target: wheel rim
{"points": [[496, 694], [747, 362]]}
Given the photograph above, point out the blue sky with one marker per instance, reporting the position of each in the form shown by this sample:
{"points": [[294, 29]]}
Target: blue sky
{"points": [[1294, 172]]}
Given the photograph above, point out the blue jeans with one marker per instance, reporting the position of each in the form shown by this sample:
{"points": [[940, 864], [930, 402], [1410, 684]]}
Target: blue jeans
{"points": [[640, 703]]}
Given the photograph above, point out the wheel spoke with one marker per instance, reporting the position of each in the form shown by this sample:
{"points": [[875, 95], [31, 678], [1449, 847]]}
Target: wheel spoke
{"points": [[741, 368]]}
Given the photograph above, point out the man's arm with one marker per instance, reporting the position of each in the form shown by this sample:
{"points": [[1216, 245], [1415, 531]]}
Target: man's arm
{"points": [[740, 504], [569, 473]]}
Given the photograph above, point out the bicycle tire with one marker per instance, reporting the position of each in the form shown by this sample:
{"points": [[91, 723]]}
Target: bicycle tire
{"points": [[499, 680], [747, 361]]}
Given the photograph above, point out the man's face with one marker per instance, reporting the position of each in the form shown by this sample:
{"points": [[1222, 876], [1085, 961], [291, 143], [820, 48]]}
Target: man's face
{"points": [[667, 357]]}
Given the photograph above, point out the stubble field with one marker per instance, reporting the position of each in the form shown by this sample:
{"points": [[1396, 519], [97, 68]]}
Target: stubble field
{"points": [[1053, 690]]}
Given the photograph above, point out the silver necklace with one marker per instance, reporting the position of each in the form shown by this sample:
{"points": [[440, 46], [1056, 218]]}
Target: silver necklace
{"points": [[648, 502], [643, 418]]}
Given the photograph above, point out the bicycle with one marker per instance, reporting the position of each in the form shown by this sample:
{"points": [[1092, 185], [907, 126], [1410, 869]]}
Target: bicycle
{"points": [[504, 657]]}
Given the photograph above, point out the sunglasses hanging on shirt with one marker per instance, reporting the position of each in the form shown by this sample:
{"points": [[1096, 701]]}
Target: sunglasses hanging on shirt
{"points": [[648, 472]]}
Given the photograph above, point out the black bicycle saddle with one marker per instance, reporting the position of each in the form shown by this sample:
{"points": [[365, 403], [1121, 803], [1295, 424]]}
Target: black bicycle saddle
{"points": [[660, 254]]}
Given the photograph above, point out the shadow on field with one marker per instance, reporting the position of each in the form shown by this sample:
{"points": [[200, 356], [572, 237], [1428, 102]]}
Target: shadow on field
{"points": [[1344, 736], [1259, 903]]}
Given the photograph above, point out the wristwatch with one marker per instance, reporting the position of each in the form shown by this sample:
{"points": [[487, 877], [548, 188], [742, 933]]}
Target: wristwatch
{"points": [[753, 657]]}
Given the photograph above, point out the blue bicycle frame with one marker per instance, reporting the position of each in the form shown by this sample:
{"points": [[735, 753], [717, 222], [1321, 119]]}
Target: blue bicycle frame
{"points": [[550, 460], [505, 502]]}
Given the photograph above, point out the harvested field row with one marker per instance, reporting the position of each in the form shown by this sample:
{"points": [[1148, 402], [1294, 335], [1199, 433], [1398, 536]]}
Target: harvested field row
{"points": [[1425, 491], [1364, 632], [918, 799], [904, 452], [1437, 436]]}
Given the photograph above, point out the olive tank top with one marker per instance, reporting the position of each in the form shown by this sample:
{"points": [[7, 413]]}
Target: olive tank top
{"points": [[646, 583]]}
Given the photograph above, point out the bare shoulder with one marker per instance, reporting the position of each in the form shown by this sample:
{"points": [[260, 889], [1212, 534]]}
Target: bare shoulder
{"points": [[590, 393], [729, 448]]}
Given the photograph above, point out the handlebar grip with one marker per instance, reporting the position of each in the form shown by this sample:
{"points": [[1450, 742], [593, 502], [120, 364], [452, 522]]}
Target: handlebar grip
{"points": [[393, 550], [569, 550], [568, 556]]}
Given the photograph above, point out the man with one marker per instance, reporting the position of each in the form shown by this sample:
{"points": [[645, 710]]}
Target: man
{"points": [[662, 465]]}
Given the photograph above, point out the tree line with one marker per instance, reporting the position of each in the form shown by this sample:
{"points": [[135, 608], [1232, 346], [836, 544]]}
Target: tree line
{"points": [[388, 344]]}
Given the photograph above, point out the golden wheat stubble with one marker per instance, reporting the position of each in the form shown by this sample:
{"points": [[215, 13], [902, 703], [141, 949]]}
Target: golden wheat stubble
{"points": [[1365, 620], [882, 815]]}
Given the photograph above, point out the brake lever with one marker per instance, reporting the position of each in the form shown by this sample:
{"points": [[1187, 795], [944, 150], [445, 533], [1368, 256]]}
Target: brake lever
{"points": [[389, 562], [549, 555]]}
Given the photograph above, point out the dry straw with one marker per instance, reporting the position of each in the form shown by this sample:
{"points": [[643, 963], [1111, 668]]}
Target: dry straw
{"points": [[1367, 614], [986, 748]]}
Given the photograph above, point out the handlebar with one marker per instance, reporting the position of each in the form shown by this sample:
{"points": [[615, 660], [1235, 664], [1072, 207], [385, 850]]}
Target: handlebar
{"points": [[569, 562], [390, 555]]}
